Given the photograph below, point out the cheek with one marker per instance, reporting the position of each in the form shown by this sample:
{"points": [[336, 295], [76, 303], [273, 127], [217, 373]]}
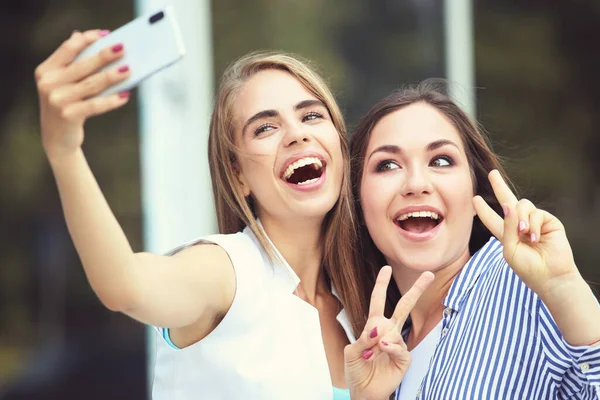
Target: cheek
{"points": [[259, 154], [335, 145], [332, 144], [462, 200], [374, 199]]}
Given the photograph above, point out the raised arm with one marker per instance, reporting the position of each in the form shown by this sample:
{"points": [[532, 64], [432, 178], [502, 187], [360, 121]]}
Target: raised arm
{"points": [[164, 291], [536, 248]]}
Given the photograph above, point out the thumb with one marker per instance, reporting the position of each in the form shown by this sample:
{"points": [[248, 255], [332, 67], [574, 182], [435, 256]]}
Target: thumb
{"points": [[364, 347]]}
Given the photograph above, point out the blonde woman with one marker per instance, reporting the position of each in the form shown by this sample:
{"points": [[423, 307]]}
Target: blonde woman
{"points": [[265, 309]]}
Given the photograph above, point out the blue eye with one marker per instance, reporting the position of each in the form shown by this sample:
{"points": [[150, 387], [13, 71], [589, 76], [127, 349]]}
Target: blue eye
{"points": [[311, 116], [263, 128], [386, 165], [442, 161]]}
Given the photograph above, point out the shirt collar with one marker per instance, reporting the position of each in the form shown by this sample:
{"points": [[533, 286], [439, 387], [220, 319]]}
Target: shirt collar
{"points": [[480, 262], [289, 280], [280, 267], [282, 270]]}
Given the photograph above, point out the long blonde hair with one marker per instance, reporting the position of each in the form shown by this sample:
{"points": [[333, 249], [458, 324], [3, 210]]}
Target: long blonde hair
{"points": [[235, 211]]}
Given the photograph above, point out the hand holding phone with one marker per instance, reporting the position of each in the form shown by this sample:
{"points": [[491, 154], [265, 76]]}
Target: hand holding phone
{"points": [[92, 72], [152, 42]]}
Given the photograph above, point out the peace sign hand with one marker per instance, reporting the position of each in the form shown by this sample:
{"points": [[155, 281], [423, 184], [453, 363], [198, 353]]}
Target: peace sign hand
{"points": [[535, 243], [376, 363]]}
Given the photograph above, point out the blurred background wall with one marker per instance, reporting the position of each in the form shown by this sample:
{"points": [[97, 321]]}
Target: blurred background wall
{"points": [[537, 93]]}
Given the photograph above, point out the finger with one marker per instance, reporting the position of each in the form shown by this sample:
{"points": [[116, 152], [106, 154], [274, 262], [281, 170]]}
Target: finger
{"points": [[510, 236], [365, 347], [68, 50], [81, 69], [489, 217], [91, 86], [501, 189], [399, 354], [354, 353], [88, 65], [536, 220], [393, 336], [378, 295], [95, 106], [409, 300], [524, 208]]}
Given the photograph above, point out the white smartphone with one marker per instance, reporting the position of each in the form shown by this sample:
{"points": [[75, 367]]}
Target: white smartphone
{"points": [[152, 43]]}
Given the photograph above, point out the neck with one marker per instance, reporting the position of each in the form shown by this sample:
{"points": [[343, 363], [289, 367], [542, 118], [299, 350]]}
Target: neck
{"points": [[300, 242], [430, 305]]}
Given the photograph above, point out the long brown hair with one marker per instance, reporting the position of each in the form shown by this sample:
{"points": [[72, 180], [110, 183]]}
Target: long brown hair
{"points": [[479, 154], [234, 211]]}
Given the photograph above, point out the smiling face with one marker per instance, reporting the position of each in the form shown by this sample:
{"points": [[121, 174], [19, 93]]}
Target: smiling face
{"points": [[416, 190], [289, 156]]}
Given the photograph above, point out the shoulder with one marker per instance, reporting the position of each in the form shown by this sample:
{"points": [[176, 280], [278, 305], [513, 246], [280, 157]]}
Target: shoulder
{"points": [[496, 277], [232, 247], [503, 279], [230, 243], [492, 253], [489, 260]]}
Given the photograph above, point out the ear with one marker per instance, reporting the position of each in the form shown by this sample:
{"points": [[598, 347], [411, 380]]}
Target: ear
{"points": [[241, 180]]}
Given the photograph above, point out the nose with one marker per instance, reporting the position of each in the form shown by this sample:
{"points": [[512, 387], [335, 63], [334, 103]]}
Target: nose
{"points": [[417, 183], [296, 133]]}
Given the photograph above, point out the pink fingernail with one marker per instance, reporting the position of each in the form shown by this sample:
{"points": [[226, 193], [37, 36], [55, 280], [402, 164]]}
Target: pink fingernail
{"points": [[385, 343], [367, 354], [521, 226], [373, 333], [505, 210], [124, 95], [117, 48], [533, 237], [124, 68], [104, 32]]}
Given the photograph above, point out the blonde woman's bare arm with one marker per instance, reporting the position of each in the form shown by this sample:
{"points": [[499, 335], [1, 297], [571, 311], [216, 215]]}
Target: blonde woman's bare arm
{"points": [[164, 291]]}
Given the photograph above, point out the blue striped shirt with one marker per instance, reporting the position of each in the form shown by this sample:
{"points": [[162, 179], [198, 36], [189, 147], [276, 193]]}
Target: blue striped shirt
{"points": [[499, 341]]}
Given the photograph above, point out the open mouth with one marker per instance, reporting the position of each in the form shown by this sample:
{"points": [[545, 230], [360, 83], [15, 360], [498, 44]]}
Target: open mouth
{"points": [[419, 221], [304, 171]]}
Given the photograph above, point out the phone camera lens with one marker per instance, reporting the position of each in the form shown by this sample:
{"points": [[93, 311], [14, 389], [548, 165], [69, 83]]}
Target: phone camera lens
{"points": [[157, 17]]}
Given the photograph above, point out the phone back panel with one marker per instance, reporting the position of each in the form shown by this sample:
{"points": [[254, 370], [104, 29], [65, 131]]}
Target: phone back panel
{"points": [[149, 47]]}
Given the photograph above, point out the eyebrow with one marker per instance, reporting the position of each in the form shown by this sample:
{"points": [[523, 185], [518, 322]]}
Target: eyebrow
{"points": [[390, 148], [309, 103], [274, 113]]}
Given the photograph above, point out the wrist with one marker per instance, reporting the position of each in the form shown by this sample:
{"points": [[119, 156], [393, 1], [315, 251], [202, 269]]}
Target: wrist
{"points": [[358, 396], [575, 311], [565, 290], [57, 158]]}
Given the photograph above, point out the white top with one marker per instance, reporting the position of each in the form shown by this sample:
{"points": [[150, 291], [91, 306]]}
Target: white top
{"points": [[421, 357], [268, 345]]}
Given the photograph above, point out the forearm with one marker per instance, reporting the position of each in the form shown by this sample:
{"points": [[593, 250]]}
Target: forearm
{"points": [[575, 311], [105, 253]]}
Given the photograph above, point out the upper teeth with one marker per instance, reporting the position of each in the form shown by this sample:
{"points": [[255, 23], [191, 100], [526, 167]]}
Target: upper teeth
{"points": [[301, 163], [419, 214]]}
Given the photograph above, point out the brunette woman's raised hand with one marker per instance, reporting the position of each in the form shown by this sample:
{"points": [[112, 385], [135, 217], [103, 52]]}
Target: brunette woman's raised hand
{"points": [[379, 359], [537, 249]]}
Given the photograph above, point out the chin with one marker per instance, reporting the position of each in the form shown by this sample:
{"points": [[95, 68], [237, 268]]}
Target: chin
{"points": [[422, 261], [316, 207]]}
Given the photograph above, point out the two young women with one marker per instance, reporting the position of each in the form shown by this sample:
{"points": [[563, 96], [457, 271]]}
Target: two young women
{"points": [[257, 311]]}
